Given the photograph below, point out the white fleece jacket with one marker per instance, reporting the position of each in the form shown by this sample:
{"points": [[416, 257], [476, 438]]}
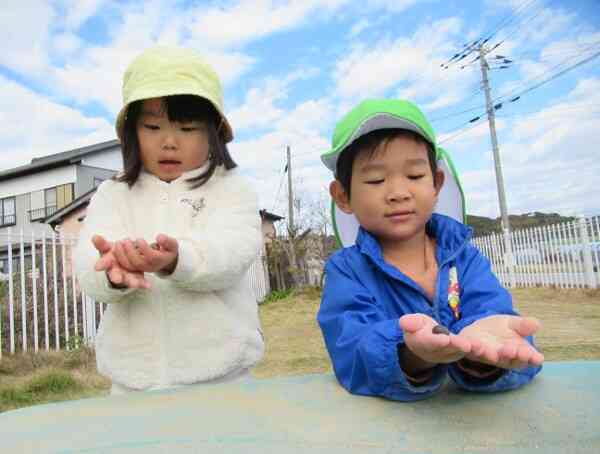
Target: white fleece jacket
{"points": [[199, 323]]}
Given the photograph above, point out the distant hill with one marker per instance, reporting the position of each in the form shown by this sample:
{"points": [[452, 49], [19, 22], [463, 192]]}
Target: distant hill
{"points": [[484, 226]]}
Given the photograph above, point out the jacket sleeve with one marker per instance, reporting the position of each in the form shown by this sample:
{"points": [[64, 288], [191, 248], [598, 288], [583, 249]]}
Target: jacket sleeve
{"points": [[362, 341], [100, 219], [223, 250], [481, 296]]}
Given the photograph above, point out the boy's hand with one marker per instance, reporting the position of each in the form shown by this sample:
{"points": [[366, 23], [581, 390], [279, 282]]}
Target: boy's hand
{"points": [[138, 255], [433, 348], [502, 341], [118, 275]]}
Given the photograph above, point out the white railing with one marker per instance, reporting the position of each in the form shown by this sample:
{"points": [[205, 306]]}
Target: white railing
{"points": [[41, 304], [565, 255]]}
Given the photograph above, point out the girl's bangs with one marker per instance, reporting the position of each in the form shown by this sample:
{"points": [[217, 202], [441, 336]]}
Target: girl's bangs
{"points": [[182, 108]]}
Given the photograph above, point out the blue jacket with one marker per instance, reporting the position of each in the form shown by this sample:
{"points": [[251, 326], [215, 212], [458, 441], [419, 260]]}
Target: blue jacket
{"points": [[364, 297]]}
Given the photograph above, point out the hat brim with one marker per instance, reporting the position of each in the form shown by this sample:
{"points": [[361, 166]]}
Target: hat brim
{"points": [[451, 202], [373, 123]]}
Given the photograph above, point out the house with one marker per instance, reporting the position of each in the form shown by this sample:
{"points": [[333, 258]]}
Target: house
{"points": [[268, 225], [32, 192]]}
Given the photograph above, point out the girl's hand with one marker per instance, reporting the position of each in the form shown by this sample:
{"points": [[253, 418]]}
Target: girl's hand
{"points": [[138, 255], [433, 348], [117, 275], [503, 343]]}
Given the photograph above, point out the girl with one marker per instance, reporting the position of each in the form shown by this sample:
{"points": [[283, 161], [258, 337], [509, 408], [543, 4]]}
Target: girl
{"points": [[167, 243]]}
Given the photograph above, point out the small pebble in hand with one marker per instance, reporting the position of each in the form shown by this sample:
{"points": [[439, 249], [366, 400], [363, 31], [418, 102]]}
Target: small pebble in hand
{"points": [[439, 329]]}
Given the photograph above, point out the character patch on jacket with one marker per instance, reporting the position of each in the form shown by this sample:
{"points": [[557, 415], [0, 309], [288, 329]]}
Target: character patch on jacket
{"points": [[195, 204], [454, 293]]}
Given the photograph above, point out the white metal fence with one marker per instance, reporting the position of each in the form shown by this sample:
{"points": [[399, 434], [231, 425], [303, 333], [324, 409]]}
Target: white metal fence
{"points": [[563, 255], [41, 304]]}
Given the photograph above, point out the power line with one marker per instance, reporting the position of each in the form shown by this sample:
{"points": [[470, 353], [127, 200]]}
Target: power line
{"points": [[553, 111], [510, 18], [279, 189], [462, 131], [515, 96]]}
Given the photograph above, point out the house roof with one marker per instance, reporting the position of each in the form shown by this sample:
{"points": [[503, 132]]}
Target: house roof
{"points": [[57, 160], [267, 216], [58, 216], [81, 201]]}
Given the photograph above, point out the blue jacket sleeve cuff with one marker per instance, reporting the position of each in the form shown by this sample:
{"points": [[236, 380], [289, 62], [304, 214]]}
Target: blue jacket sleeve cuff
{"points": [[510, 379], [387, 370]]}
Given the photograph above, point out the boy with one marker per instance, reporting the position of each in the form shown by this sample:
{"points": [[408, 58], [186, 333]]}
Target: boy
{"points": [[412, 300]]}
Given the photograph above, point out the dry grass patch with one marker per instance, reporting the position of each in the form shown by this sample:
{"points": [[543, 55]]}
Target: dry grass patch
{"points": [[294, 342], [35, 378], [570, 318]]}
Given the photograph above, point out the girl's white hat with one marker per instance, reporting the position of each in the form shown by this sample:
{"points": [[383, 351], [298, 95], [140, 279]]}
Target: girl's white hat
{"points": [[166, 71]]}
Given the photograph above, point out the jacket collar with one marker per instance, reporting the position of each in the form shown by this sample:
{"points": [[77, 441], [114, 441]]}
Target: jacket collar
{"points": [[451, 237]]}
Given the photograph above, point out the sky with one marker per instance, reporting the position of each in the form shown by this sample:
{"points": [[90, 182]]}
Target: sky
{"points": [[291, 69]]}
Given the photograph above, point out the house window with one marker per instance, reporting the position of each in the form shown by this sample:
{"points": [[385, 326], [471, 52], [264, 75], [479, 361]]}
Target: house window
{"points": [[50, 201], [7, 212], [47, 202]]}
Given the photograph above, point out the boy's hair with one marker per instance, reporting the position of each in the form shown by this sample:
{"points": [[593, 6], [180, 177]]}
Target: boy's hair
{"points": [[370, 143], [179, 108]]}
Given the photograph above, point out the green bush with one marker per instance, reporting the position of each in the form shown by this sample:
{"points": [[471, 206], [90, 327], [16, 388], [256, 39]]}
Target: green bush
{"points": [[276, 295], [52, 382]]}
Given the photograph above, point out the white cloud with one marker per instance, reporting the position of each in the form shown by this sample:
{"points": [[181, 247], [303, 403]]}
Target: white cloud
{"points": [[470, 135], [263, 157], [412, 64], [260, 109], [66, 43], [394, 6], [247, 20], [78, 11], [549, 158], [308, 117], [96, 74], [359, 26], [32, 126], [24, 37]]}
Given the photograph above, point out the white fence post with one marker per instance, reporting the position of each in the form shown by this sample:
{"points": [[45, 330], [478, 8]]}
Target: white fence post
{"points": [[55, 294], [590, 279], [45, 277], [11, 301], [34, 293], [23, 294]]}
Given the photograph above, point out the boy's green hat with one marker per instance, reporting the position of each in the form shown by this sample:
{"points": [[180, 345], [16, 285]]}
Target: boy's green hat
{"points": [[375, 114], [371, 115], [165, 71]]}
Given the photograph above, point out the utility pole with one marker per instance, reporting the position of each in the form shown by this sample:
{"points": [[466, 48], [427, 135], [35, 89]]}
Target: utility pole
{"points": [[497, 163], [290, 194], [291, 228]]}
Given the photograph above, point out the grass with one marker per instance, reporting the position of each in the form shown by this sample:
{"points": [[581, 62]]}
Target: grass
{"points": [[294, 342], [37, 378], [571, 331]]}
